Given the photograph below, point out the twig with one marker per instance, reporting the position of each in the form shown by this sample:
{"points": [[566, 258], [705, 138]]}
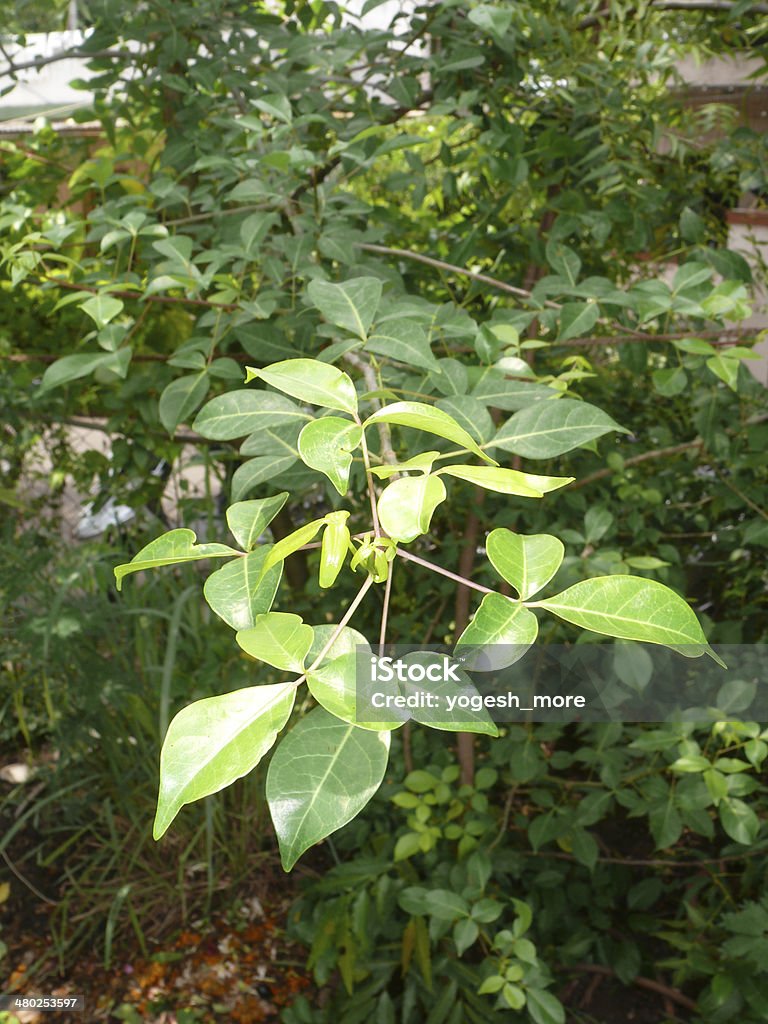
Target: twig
{"points": [[369, 375], [385, 609], [40, 62], [25, 881], [656, 453], [444, 572], [430, 261], [337, 631], [675, 995]]}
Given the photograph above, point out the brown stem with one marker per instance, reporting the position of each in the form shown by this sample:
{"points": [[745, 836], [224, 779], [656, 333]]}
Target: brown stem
{"points": [[658, 987], [656, 453], [430, 261]]}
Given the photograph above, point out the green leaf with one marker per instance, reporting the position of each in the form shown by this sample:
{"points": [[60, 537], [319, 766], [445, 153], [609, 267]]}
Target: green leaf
{"points": [[506, 481], [173, 547], [493, 20], [726, 369], [692, 763], [500, 634], [633, 609], [406, 506], [279, 638], [739, 821], [242, 412], [327, 445], [180, 398], [102, 308], [258, 471], [425, 417], [670, 382], [238, 592], [333, 683], [470, 414], [577, 319], [446, 905], [563, 260], [274, 105], [70, 368], [310, 381], [320, 777], [465, 933], [447, 715], [666, 824], [351, 305], [288, 545], [527, 563], [214, 741], [543, 1007], [422, 462], [495, 390], [547, 429], [247, 520], [405, 341]]}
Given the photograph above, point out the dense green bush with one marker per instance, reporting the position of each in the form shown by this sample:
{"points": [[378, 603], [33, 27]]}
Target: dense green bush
{"points": [[511, 183]]}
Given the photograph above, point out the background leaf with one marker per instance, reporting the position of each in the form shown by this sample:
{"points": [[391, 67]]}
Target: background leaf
{"points": [[320, 777]]}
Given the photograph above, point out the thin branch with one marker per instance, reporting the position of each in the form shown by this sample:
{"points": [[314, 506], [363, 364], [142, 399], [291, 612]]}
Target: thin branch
{"points": [[673, 994], [228, 307], [369, 375], [444, 572], [40, 62], [385, 609], [25, 881], [337, 631], [657, 453], [430, 261]]}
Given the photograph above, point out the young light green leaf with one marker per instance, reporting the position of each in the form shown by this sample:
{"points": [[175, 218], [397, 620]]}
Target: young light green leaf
{"points": [[320, 777], [180, 398], [310, 381], [242, 412], [238, 592], [259, 471], [327, 445], [213, 742], [279, 638], [288, 545], [547, 429], [247, 520], [406, 506], [333, 683], [405, 341], [351, 305], [102, 308], [499, 635], [173, 547], [506, 481], [434, 421], [421, 462], [334, 547], [528, 563], [632, 608]]}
